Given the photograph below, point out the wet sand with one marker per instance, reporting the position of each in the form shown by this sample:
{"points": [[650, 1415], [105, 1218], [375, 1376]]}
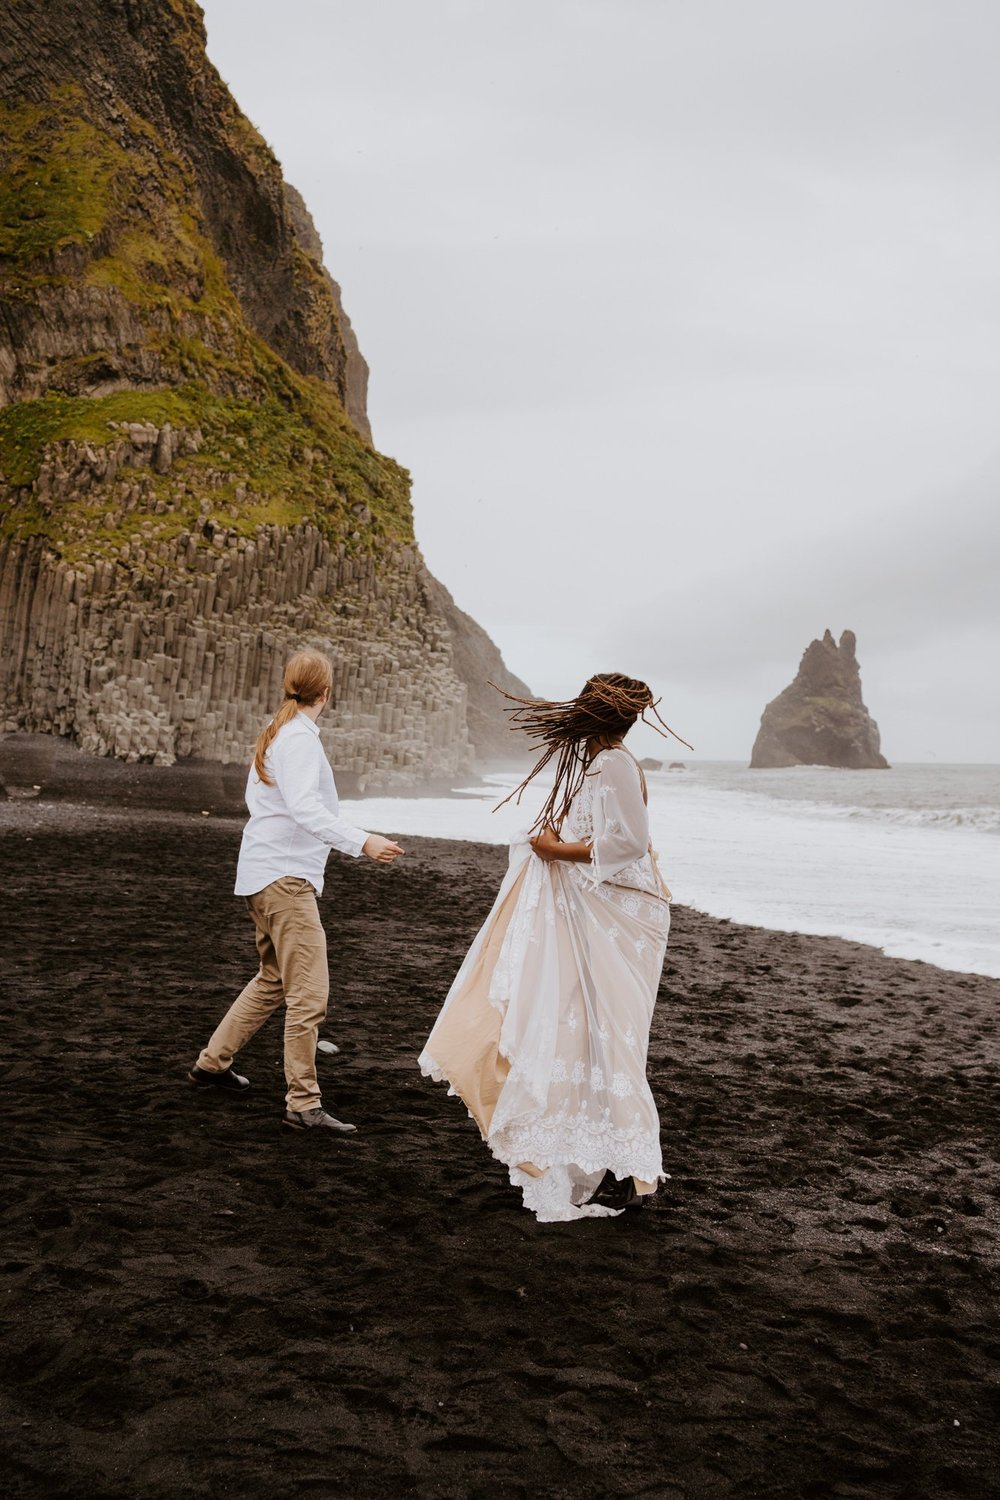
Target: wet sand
{"points": [[197, 1304]]}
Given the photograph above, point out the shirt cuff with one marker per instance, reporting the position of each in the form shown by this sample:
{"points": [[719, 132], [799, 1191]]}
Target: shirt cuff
{"points": [[355, 840]]}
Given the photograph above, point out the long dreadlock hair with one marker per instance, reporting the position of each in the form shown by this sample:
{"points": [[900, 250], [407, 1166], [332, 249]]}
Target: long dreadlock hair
{"points": [[606, 708]]}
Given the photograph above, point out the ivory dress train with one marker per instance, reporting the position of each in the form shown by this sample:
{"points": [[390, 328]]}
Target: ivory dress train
{"points": [[545, 1030]]}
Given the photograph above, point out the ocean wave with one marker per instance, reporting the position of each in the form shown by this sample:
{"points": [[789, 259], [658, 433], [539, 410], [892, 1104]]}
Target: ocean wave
{"points": [[981, 819]]}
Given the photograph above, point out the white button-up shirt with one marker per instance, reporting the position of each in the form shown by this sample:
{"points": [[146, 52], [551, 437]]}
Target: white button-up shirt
{"points": [[296, 822]]}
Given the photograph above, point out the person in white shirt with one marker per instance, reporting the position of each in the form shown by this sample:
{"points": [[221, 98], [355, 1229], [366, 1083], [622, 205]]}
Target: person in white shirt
{"points": [[294, 823]]}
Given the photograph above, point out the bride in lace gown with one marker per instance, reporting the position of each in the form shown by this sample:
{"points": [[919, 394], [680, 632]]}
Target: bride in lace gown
{"points": [[545, 1030]]}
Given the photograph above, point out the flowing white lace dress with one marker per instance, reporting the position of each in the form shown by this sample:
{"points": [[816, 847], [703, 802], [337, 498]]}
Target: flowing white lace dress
{"points": [[545, 1030]]}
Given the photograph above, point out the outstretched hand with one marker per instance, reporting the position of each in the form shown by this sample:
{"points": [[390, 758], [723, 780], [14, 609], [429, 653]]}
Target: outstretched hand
{"points": [[382, 851]]}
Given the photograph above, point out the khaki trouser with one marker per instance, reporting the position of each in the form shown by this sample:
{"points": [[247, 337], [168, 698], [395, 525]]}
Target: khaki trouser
{"points": [[293, 970]]}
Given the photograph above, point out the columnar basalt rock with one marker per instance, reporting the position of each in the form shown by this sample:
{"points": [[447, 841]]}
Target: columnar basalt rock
{"points": [[173, 645], [88, 654], [820, 719], [188, 489]]}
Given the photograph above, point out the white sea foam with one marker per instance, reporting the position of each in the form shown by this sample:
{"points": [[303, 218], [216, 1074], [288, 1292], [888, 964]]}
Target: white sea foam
{"points": [[906, 861], [982, 819]]}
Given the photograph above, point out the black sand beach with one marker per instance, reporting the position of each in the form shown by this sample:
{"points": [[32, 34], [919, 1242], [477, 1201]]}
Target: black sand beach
{"points": [[195, 1304]]}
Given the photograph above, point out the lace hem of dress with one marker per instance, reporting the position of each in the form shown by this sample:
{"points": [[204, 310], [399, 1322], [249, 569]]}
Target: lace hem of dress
{"points": [[430, 1069], [585, 1146], [554, 1198], [588, 1145]]}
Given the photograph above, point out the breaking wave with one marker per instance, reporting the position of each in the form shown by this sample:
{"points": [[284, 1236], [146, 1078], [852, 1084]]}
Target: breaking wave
{"points": [[981, 819]]}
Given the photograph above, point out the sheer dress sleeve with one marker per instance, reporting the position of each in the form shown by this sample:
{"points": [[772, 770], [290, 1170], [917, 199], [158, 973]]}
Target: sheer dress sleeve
{"points": [[621, 820]]}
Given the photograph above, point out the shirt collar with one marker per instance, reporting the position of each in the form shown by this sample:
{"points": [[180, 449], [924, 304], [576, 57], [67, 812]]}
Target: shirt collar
{"points": [[302, 718]]}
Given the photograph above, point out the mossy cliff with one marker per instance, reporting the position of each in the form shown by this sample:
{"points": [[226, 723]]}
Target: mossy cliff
{"points": [[188, 487]]}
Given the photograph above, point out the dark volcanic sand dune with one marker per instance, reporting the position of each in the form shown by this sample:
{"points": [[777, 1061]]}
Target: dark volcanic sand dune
{"points": [[196, 1306]]}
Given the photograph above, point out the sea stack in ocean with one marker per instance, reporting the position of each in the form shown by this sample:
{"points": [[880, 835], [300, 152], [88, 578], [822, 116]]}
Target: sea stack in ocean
{"points": [[820, 719], [188, 485]]}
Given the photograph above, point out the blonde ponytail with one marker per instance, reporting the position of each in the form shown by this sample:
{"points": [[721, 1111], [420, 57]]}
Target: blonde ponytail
{"points": [[308, 676]]}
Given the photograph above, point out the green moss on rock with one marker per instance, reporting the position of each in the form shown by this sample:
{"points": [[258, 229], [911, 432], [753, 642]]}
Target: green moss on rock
{"points": [[280, 464], [56, 176], [281, 441]]}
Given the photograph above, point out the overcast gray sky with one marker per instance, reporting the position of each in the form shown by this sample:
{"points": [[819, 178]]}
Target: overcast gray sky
{"points": [[685, 315]]}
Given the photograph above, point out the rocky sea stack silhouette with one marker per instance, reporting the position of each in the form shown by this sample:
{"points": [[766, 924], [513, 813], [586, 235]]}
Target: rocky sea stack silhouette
{"points": [[820, 719], [188, 486]]}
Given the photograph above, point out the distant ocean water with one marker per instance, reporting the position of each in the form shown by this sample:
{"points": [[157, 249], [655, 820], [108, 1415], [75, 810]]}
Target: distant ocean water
{"points": [[906, 860]]}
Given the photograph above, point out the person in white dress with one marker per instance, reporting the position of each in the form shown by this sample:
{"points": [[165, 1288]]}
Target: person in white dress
{"points": [[545, 1030]]}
